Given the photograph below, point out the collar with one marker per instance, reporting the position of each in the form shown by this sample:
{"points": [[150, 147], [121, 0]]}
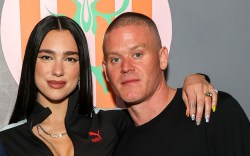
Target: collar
{"points": [[40, 113]]}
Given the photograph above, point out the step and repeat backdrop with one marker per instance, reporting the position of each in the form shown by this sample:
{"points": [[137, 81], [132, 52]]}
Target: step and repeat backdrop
{"points": [[211, 37]]}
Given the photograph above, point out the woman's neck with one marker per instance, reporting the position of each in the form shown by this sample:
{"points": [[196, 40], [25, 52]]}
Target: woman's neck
{"points": [[58, 109]]}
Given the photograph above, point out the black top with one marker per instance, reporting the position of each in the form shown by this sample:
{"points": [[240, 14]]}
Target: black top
{"points": [[172, 133], [95, 136], [2, 150]]}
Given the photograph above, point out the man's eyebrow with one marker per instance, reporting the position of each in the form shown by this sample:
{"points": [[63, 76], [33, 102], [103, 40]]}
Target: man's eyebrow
{"points": [[138, 46], [112, 53], [131, 49], [141, 46]]}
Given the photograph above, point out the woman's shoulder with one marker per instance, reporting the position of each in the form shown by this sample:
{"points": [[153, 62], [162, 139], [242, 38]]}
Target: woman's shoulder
{"points": [[112, 112], [2, 150], [13, 125], [119, 118]]}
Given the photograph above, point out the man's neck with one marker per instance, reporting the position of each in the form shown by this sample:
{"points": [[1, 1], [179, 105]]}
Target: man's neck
{"points": [[147, 110]]}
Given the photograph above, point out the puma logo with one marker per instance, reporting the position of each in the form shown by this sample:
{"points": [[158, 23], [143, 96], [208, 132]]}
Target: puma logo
{"points": [[95, 137]]}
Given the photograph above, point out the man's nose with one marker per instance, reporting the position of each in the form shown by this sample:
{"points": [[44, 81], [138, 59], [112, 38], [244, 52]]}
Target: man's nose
{"points": [[127, 66]]}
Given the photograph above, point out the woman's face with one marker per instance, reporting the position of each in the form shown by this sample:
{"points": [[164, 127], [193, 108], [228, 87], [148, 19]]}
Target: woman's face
{"points": [[57, 68]]}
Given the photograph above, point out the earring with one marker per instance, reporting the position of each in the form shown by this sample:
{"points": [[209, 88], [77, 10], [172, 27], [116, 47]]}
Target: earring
{"points": [[78, 84]]}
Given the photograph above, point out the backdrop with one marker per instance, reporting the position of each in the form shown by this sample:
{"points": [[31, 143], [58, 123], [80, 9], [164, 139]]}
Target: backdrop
{"points": [[206, 36]]}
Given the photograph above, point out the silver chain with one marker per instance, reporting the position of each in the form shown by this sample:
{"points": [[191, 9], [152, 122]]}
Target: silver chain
{"points": [[54, 148], [53, 135]]}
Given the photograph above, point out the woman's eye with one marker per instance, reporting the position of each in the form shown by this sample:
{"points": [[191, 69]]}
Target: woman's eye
{"points": [[115, 60], [46, 58], [71, 59], [137, 55]]}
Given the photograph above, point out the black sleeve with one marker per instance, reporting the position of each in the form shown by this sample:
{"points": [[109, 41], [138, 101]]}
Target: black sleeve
{"points": [[2, 150], [229, 129]]}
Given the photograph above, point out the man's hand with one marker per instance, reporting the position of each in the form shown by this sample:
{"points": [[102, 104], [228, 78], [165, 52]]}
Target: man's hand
{"points": [[196, 94]]}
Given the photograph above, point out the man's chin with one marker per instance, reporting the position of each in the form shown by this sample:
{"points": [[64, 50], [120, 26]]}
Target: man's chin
{"points": [[131, 101]]}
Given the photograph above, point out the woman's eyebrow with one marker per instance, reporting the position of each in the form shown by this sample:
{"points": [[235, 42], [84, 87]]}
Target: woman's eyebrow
{"points": [[48, 51], [71, 53]]}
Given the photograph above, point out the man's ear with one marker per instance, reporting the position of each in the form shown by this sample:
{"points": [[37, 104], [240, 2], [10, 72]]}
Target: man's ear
{"points": [[104, 68], [163, 56]]}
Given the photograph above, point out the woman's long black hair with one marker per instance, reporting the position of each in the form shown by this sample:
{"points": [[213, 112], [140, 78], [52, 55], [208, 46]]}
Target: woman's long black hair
{"points": [[27, 91]]}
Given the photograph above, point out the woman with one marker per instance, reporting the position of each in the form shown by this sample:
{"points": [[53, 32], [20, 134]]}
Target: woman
{"points": [[59, 121]]}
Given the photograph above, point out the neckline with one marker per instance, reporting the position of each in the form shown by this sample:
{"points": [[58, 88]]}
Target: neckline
{"points": [[170, 107], [40, 113]]}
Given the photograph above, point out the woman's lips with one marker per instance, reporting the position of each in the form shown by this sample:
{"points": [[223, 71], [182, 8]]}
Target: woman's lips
{"points": [[56, 84]]}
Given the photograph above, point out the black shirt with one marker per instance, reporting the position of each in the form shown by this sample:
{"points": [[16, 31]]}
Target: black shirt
{"points": [[91, 136], [171, 133]]}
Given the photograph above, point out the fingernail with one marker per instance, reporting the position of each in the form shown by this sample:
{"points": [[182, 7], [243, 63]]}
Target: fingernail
{"points": [[198, 122], [214, 108], [207, 118], [193, 117], [187, 114]]}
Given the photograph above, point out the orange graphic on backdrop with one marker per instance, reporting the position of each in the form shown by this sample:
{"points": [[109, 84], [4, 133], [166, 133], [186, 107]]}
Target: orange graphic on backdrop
{"points": [[99, 15]]}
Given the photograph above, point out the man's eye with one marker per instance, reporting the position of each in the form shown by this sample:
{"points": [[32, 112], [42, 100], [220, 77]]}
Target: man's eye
{"points": [[115, 60], [46, 58], [137, 55], [71, 59]]}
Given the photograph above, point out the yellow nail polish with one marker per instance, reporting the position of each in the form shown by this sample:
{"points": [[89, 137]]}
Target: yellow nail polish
{"points": [[214, 108]]}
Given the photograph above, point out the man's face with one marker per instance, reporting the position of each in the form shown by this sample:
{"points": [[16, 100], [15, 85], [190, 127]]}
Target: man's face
{"points": [[132, 63]]}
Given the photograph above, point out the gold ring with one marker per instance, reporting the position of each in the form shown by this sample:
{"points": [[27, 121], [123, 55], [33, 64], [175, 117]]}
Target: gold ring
{"points": [[209, 94]]}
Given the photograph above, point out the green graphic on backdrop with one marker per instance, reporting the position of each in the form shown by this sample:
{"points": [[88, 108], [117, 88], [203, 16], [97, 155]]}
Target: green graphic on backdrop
{"points": [[90, 12], [99, 77]]}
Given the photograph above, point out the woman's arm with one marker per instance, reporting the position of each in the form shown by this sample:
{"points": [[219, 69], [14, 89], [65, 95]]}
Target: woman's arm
{"points": [[194, 95]]}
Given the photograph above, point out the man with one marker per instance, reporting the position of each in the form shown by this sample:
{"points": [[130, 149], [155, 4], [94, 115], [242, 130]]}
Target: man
{"points": [[134, 64]]}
